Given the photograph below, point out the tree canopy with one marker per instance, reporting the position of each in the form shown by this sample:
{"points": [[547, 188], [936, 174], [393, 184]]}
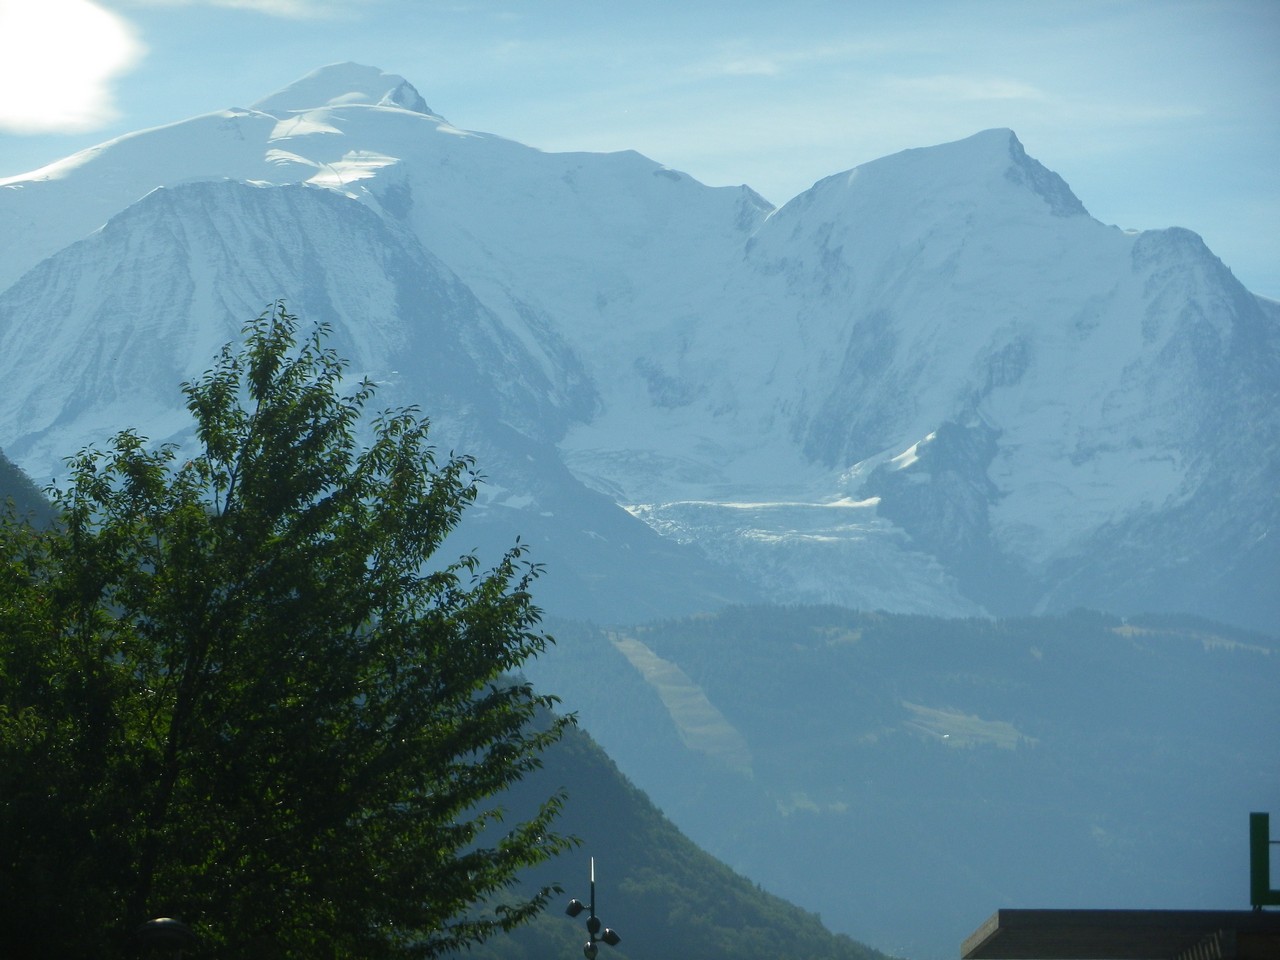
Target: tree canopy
{"points": [[240, 688]]}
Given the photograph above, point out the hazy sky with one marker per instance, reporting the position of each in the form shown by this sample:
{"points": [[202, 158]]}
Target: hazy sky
{"points": [[1156, 112]]}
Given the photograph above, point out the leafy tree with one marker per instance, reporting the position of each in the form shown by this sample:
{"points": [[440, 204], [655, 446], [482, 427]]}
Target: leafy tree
{"points": [[240, 689]]}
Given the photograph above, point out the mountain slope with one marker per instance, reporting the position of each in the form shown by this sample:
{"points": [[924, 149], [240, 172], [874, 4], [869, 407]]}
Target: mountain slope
{"points": [[664, 896], [19, 493], [145, 303]]}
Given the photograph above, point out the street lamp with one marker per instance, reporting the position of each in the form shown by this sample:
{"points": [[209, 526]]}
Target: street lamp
{"points": [[594, 933]]}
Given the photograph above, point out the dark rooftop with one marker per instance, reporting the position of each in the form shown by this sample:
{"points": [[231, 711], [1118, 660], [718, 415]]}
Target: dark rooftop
{"points": [[1125, 935]]}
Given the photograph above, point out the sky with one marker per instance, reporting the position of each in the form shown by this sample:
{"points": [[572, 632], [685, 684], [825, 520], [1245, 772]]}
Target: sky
{"points": [[1156, 112]]}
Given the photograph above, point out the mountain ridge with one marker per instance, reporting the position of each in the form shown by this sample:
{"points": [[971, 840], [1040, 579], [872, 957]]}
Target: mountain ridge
{"points": [[756, 384]]}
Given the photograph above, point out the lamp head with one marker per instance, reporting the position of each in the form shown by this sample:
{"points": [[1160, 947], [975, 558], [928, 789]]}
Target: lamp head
{"points": [[575, 907]]}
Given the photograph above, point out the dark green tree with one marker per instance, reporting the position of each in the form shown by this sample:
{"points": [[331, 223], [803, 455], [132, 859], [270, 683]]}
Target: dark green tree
{"points": [[241, 688]]}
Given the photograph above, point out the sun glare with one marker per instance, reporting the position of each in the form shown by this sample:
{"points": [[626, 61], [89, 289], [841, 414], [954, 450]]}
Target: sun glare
{"points": [[58, 61]]}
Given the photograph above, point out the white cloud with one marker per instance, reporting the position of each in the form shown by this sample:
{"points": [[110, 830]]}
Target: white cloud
{"points": [[739, 58], [750, 67], [961, 87], [58, 61]]}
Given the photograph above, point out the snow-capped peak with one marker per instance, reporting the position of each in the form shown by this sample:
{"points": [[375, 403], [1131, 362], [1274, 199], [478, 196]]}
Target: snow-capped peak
{"points": [[1041, 180], [970, 161], [340, 84], [963, 173]]}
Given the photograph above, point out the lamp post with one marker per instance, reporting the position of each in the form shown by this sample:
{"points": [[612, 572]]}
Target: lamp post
{"points": [[594, 933]]}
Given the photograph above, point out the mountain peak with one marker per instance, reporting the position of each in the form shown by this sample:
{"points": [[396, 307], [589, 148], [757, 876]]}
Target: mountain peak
{"points": [[990, 152], [1041, 180], [1000, 149], [970, 168], [344, 83]]}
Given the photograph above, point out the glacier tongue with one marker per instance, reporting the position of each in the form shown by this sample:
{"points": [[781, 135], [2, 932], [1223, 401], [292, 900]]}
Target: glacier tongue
{"points": [[839, 552], [930, 383]]}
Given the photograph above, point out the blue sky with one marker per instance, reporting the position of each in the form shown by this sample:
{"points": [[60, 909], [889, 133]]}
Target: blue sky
{"points": [[1156, 113]]}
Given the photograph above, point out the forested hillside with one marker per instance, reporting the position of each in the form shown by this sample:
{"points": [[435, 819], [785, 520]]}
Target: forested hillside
{"points": [[16, 488], [664, 896]]}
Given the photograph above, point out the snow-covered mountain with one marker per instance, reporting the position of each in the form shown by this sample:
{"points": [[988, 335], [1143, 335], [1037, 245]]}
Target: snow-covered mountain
{"points": [[932, 383]]}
